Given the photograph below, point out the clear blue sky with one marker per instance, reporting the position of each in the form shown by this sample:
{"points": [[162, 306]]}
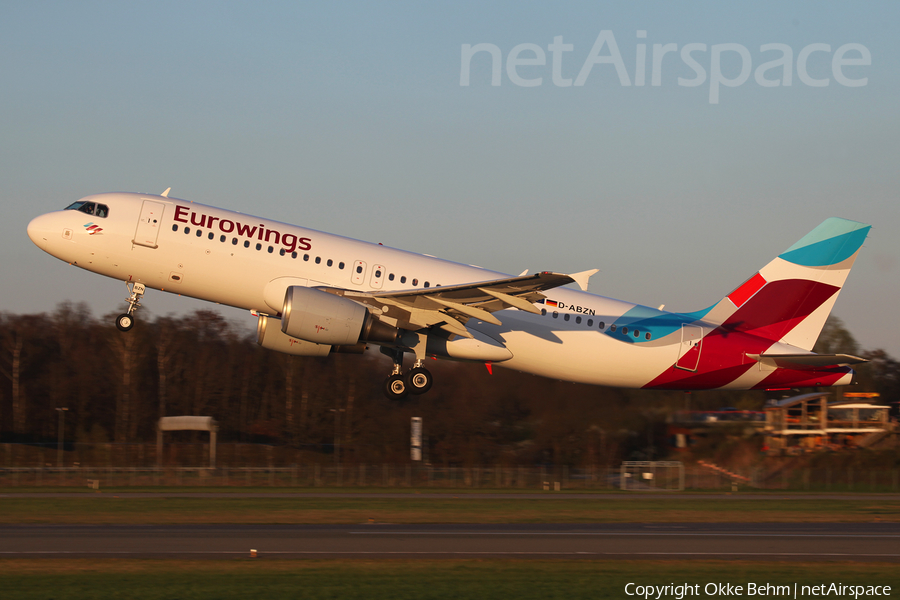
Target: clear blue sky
{"points": [[350, 118]]}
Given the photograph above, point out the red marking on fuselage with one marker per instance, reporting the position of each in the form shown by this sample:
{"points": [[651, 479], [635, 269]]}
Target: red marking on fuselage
{"points": [[763, 320]]}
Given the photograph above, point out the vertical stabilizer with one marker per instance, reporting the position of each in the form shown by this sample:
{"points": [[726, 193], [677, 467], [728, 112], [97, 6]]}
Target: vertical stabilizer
{"points": [[790, 298]]}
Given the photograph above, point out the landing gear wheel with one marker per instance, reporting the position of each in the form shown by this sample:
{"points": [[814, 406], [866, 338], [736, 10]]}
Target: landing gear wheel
{"points": [[124, 322], [395, 387], [419, 380]]}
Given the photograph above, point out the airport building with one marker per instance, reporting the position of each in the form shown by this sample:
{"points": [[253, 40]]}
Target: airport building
{"points": [[810, 423], [796, 425]]}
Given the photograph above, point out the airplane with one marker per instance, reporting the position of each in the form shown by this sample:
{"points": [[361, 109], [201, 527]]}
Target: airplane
{"points": [[316, 293]]}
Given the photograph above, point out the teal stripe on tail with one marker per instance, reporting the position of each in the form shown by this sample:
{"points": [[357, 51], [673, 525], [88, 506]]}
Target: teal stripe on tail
{"points": [[832, 242]]}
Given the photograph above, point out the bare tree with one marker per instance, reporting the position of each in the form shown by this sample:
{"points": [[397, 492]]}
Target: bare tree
{"points": [[169, 347], [127, 351], [17, 334]]}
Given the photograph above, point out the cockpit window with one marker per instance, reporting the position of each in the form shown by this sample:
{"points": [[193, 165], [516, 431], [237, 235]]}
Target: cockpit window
{"points": [[90, 208]]}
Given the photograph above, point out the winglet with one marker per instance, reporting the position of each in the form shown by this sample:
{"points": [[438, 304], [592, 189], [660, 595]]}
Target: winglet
{"points": [[165, 194], [582, 278]]}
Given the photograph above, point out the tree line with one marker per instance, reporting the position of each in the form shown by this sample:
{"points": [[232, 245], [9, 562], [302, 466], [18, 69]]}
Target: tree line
{"points": [[116, 385]]}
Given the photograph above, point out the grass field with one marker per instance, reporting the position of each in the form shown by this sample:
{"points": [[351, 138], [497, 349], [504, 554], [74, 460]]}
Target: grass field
{"points": [[109, 507], [420, 580], [423, 579]]}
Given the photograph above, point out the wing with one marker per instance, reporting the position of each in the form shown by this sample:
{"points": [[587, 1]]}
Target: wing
{"points": [[450, 307]]}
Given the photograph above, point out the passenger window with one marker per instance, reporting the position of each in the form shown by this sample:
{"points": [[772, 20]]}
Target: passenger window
{"points": [[222, 239], [415, 282], [427, 284], [330, 262], [378, 273], [590, 322], [566, 316], [246, 243], [271, 249], [647, 336], [543, 312], [578, 320], [174, 227], [259, 246], [601, 325], [306, 257], [341, 266], [234, 241], [187, 230], [391, 277], [555, 314], [282, 252], [359, 268], [612, 328], [637, 333], [403, 279], [318, 260], [293, 255], [211, 235], [199, 232], [624, 331]]}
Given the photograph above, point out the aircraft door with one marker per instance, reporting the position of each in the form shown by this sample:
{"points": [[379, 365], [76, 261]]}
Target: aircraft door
{"points": [[689, 349], [358, 276], [377, 276], [148, 226]]}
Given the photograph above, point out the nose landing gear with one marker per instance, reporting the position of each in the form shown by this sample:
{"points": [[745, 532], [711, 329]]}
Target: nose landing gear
{"points": [[125, 321]]}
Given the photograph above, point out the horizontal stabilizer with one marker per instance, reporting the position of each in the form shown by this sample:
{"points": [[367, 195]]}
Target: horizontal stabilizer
{"points": [[807, 361]]}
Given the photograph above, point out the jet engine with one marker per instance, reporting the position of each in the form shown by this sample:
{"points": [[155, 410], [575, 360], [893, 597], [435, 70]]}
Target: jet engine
{"points": [[270, 336], [316, 316]]}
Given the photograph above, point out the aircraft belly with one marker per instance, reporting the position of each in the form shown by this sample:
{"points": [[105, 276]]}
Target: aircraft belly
{"points": [[180, 269], [212, 278], [583, 356]]}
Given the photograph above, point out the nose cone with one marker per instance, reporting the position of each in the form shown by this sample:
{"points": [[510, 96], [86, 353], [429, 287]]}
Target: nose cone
{"points": [[42, 229]]}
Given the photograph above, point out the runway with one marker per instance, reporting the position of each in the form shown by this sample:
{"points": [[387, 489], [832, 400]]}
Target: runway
{"points": [[858, 542]]}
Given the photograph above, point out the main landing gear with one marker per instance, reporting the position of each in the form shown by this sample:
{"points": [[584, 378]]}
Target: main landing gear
{"points": [[125, 321], [417, 381]]}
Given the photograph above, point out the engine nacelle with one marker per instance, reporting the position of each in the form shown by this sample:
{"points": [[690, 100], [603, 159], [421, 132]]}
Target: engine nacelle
{"points": [[323, 318], [270, 336]]}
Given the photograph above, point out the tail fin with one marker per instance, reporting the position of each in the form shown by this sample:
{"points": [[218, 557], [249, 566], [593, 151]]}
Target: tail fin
{"points": [[789, 299]]}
